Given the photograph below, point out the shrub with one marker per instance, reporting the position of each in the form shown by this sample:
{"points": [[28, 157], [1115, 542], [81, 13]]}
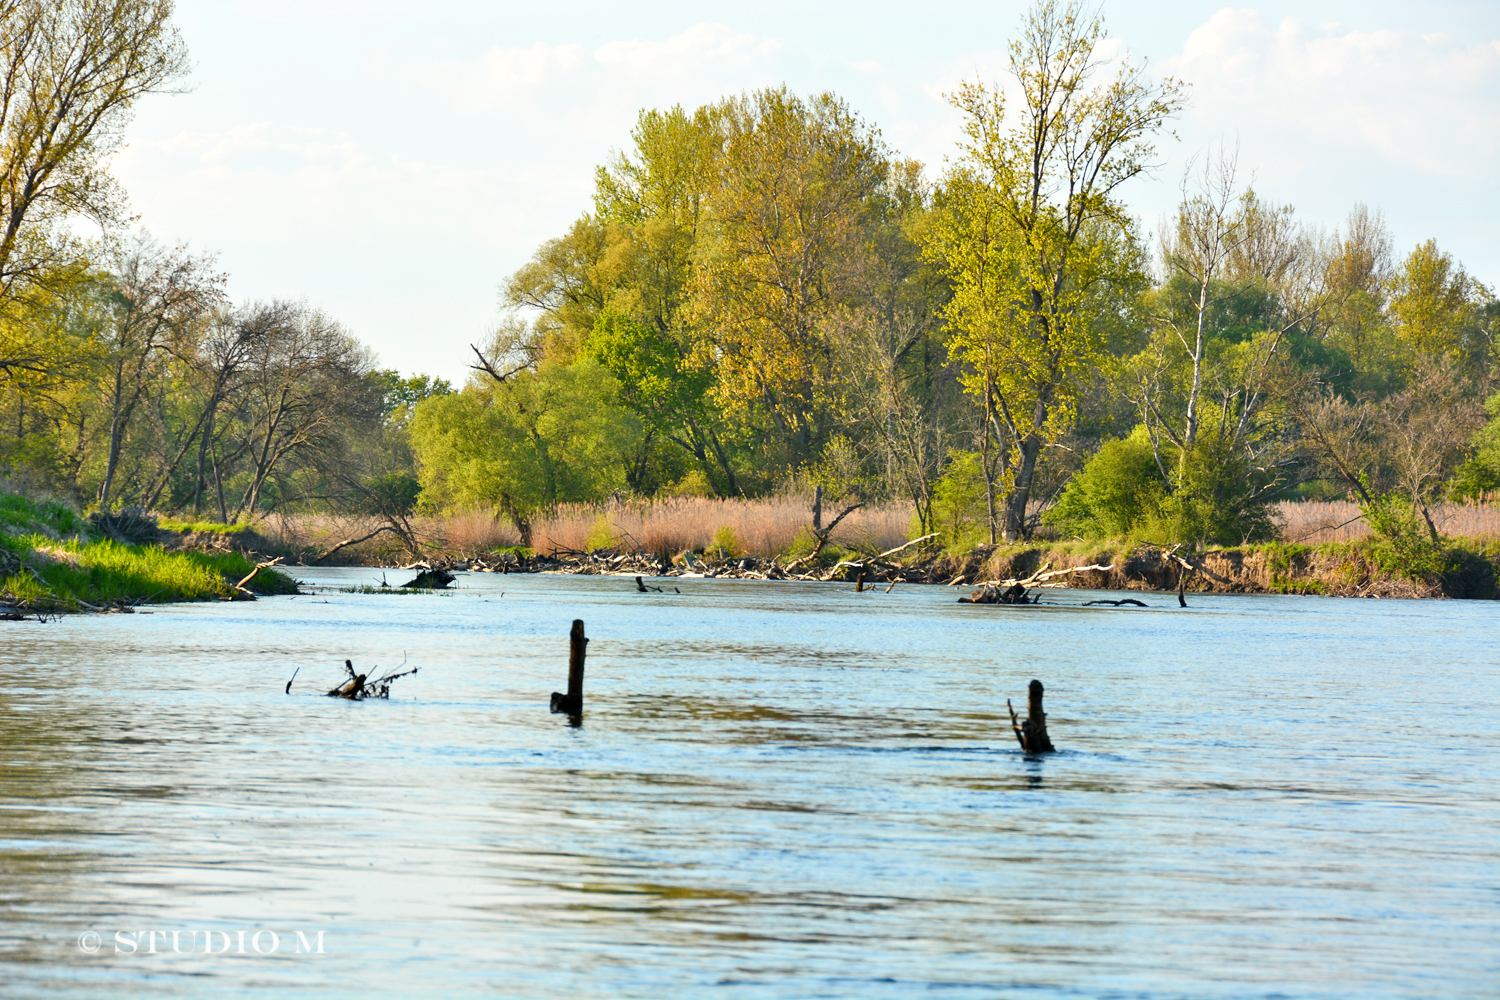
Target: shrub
{"points": [[726, 544], [601, 535], [1219, 499], [1406, 544], [1118, 491], [694, 484]]}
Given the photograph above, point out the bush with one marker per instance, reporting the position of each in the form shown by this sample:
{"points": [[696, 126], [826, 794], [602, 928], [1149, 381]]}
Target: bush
{"points": [[726, 544], [1406, 543], [602, 535], [694, 484], [1218, 500], [1118, 491]]}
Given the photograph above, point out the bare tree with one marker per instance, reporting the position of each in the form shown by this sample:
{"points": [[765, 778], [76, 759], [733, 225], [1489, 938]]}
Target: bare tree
{"points": [[1208, 233], [155, 298], [303, 374]]}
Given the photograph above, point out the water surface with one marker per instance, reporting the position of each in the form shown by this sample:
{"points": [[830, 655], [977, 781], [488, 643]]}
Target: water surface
{"points": [[779, 790]]}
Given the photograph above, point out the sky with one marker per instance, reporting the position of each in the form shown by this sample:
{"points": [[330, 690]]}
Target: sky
{"points": [[392, 163]]}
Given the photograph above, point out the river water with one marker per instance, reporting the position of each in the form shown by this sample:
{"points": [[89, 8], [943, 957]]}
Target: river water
{"points": [[779, 790]]}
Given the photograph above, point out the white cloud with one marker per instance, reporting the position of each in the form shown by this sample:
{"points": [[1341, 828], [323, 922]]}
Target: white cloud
{"points": [[694, 61], [703, 48], [1427, 102]]}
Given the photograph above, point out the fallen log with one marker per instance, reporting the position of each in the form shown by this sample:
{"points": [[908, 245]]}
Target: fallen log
{"points": [[992, 594], [1047, 573], [352, 541], [1123, 600]]}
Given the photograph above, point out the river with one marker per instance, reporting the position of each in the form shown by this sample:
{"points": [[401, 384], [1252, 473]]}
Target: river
{"points": [[779, 790]]}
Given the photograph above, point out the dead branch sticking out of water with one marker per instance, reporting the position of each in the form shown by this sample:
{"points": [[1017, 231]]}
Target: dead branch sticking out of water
{"points": [[358, 686], [1032, 734], [240, 592]]}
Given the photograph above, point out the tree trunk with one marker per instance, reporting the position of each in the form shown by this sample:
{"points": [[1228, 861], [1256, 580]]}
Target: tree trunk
{"points": [[1015, 505]]}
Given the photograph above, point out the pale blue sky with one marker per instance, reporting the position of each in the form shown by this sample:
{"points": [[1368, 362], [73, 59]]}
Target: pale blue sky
{"points": [[393, 162]]}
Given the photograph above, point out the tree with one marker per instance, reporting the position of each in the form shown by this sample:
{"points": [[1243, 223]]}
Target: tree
{"points": [[787, 226], [154, 300], [1432, 301], [304, 380], [70, 73], [654, 199], [1033, 227], [1199, 249], [524, 444]]}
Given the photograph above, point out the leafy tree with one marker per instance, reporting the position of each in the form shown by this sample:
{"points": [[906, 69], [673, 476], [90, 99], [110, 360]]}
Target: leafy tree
{"points": [[788, 223], [557, 435], [1434, 302], [1478, 478], [72, 72], [1032, 228]]}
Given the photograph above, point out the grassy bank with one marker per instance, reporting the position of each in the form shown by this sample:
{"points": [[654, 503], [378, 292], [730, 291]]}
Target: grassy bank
{"points": [[52, 560]]}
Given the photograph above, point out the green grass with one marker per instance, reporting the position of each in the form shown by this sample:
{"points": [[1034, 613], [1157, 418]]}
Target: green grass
{"points": [[51, 560], [170, 524], [48, 517]]}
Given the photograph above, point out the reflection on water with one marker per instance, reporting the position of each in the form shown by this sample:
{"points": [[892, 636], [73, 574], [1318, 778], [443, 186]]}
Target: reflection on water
{"points": [[779, 790]]}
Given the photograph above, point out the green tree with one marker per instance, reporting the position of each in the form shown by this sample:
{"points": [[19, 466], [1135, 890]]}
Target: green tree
{"points": [[1033, 227], [1433, 301], [789, 223], [72, 71], [522, 446]]}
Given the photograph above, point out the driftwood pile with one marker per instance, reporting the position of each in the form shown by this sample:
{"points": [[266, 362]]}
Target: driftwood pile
{"points": [[880, 567], [1015, 591]]}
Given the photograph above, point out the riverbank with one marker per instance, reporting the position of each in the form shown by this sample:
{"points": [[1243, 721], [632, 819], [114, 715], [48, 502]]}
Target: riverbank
{"points": [[1349, 567], [1361, 568], [51, 560]]}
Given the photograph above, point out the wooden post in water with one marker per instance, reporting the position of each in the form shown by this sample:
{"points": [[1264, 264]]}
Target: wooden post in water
{"points": [[1032, 734], [572, 702]]}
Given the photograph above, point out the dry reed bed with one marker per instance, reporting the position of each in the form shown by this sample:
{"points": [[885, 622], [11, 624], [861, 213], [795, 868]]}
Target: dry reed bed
{"points": [[1312, 522], [764, 528]]}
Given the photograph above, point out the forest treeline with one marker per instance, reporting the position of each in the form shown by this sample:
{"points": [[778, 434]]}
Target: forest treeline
{"points": [[764, 296]]}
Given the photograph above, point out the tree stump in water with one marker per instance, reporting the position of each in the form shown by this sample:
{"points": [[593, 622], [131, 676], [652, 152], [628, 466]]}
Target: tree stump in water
{"points": [[572, 702], [1032, 733]]}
